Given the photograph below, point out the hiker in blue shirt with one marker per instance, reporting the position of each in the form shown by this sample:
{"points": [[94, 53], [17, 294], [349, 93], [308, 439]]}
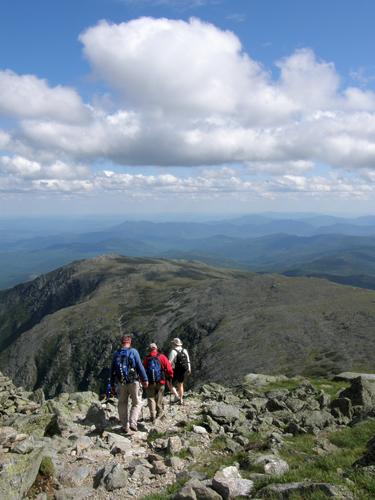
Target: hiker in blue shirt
{"points": [[128, 371]]}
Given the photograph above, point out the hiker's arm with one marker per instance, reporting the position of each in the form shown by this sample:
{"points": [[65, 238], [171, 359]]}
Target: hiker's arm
{"points": [[167, 367], [188, 358], [172, 357], [140, 369], [113, 372]]}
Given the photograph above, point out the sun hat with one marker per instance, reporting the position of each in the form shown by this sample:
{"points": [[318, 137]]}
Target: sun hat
{"points": [[176, 342], [153, 346]]}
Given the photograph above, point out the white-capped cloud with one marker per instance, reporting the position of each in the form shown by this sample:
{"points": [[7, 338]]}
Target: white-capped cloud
{"points": [[27, 96], [185, 93]]}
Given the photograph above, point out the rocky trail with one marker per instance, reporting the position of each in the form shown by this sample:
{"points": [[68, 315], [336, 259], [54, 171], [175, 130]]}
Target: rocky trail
{"points": [[270, 437]]}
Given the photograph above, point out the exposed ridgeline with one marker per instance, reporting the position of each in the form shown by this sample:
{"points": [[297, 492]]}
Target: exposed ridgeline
{"points": [[60, 330]]}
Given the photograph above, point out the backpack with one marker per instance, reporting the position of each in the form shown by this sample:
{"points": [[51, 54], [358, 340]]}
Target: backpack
{"points": [[125, 366], [182, 362], [154, 370]]}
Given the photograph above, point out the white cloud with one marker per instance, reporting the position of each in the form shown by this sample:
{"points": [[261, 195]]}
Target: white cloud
{"points": [[186, 94], [28, 96], [24, 168], [183, 68]]}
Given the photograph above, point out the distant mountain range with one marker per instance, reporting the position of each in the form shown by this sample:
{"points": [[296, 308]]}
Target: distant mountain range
{"points": [[338, 249], [60, 330]]}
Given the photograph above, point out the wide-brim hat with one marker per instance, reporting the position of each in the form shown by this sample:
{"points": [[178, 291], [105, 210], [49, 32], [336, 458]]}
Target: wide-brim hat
{"points": [[176, 342]]}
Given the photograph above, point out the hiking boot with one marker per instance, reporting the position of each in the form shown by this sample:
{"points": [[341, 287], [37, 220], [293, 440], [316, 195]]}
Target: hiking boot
{"points": [[133, 427], [175, 400], [125, 429]]}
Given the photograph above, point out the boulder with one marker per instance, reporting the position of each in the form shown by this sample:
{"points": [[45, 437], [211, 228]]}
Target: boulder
{"points": [[341, 407], [348, 376], [19, 473], [74, 494], [271, 464], [259, 380], [369, 457], [315, 419], [112, 477], [224, 413], [304, 489], [361, 393], [202, 491], [229, 483], [174, 445], [96, 416]]}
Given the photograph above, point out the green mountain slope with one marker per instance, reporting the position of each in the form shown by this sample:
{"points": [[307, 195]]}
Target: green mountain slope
{"points": [[59, 331]]}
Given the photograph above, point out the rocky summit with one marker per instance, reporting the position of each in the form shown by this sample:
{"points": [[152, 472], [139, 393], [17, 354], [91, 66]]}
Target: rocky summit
{"points": [[59, 331], [268, 437]]}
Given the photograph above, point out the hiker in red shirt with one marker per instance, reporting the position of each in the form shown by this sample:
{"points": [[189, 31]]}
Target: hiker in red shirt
{"points": [[159, 370]]}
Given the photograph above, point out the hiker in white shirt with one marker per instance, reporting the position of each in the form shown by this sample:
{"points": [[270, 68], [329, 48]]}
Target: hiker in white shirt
{"points": [[180, 361]]}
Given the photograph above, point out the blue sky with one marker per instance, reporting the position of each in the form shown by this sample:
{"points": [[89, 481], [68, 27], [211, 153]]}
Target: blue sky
{"points": [[137, 106]]}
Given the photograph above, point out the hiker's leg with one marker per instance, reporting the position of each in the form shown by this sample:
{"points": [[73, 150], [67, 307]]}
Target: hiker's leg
{"points": [[172, 388], [159, 400], [151, 395], [180, 389], [136, 403], [123, 404]]}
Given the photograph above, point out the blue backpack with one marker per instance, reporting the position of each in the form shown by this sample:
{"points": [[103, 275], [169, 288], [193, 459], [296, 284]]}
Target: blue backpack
{"points": [[154, 370], [125, 366]]}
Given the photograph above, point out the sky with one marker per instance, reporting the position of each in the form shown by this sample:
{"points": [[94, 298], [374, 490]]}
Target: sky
{"points": [[187, 106]]}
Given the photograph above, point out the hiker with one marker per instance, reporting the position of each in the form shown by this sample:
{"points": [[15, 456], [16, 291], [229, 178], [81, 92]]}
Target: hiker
{"points": [[180, 362], [159, 370], [127, 370]]}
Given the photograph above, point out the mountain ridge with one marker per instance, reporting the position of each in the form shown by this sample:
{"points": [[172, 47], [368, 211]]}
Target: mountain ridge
{"points": [[60, 330]]}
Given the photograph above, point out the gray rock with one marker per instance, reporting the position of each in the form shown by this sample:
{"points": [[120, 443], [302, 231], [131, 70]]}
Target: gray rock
{"points": [[174, 445], [74, 476], [361, 393], [112, 477], [159, 467], [212, 425], [8, 436], [224, 413], [185, 493], [285, 491], [259, 404], [175, 463], [74, 494], [229, 484], [315, 419], [341, 407], [259, 380], [369, 457], [96, 416], [272, 465], [56, 426], [202, 491], [38, 396], [26, 446], [18, 474], [198, 429], [348, 376], [141, 472], [83, 443]]}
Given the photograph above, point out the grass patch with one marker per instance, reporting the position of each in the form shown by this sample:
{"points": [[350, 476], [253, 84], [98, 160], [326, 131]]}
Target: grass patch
{"points": [[168, 493], [333, 468], [154, 435], [330, 387]]}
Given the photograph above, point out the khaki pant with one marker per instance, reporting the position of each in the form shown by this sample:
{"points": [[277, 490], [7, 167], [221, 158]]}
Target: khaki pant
{"points": [[133, 391], [155, 393]]}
